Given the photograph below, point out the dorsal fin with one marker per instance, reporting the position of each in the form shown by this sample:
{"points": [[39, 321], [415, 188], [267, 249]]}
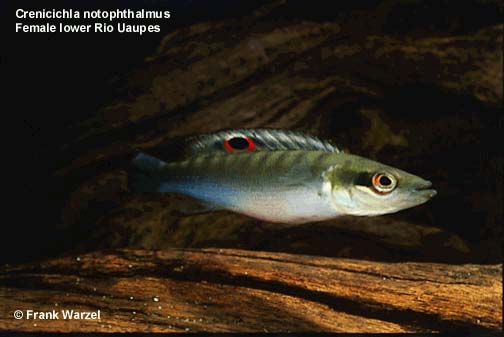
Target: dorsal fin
{"points": [[256, 140], [239, 140]]}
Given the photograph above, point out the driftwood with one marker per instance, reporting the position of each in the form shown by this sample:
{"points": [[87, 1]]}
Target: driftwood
{"points": [[222, 290]]}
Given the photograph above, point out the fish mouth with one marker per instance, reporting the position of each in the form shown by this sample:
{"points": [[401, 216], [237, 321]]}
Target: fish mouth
{"points": [[423, 190]]}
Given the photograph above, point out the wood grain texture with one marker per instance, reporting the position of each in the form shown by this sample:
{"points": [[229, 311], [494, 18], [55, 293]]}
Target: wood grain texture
{"points": [[222, 290]]}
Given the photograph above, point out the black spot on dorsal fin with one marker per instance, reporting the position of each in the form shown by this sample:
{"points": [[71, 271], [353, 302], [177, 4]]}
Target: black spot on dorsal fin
{"points": [[238, 140], [256, 140]]}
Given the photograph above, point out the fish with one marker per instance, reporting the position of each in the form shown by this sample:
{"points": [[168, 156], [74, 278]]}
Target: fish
{"points": [[278, 176]]}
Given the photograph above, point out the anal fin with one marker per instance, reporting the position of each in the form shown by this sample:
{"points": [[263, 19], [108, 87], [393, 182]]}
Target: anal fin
{"points": [[194, 207]]}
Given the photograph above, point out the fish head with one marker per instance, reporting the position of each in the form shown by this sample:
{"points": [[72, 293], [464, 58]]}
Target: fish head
{"points": [[361, 186]]}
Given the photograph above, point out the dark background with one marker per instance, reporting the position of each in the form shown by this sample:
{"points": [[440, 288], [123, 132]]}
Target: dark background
{"points": [[57, 80], [54, 82]]}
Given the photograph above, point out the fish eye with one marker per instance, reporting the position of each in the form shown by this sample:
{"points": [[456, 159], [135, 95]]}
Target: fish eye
{"points": [[383, 182]]}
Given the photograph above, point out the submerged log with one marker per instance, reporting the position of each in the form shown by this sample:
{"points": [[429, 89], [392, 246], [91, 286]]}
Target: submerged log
{"points": [[222, 290]]}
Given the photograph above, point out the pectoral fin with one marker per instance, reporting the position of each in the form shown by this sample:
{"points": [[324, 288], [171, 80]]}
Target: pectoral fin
{"points": [[299, 175]]}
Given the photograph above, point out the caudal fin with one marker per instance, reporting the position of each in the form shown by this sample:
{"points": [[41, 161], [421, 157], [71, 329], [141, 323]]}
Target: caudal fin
{"points": [[144, 174]]}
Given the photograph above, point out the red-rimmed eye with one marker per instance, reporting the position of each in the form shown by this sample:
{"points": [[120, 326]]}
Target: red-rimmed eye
{"points": [[384, 183], [239, 144]]}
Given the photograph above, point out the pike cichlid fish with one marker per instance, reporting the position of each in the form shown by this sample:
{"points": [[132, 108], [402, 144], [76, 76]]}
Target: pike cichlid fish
{"points": [[278, 176]]}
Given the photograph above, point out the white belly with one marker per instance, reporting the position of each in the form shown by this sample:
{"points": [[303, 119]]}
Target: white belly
{"points": [[273, 203], [293, 206]]}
